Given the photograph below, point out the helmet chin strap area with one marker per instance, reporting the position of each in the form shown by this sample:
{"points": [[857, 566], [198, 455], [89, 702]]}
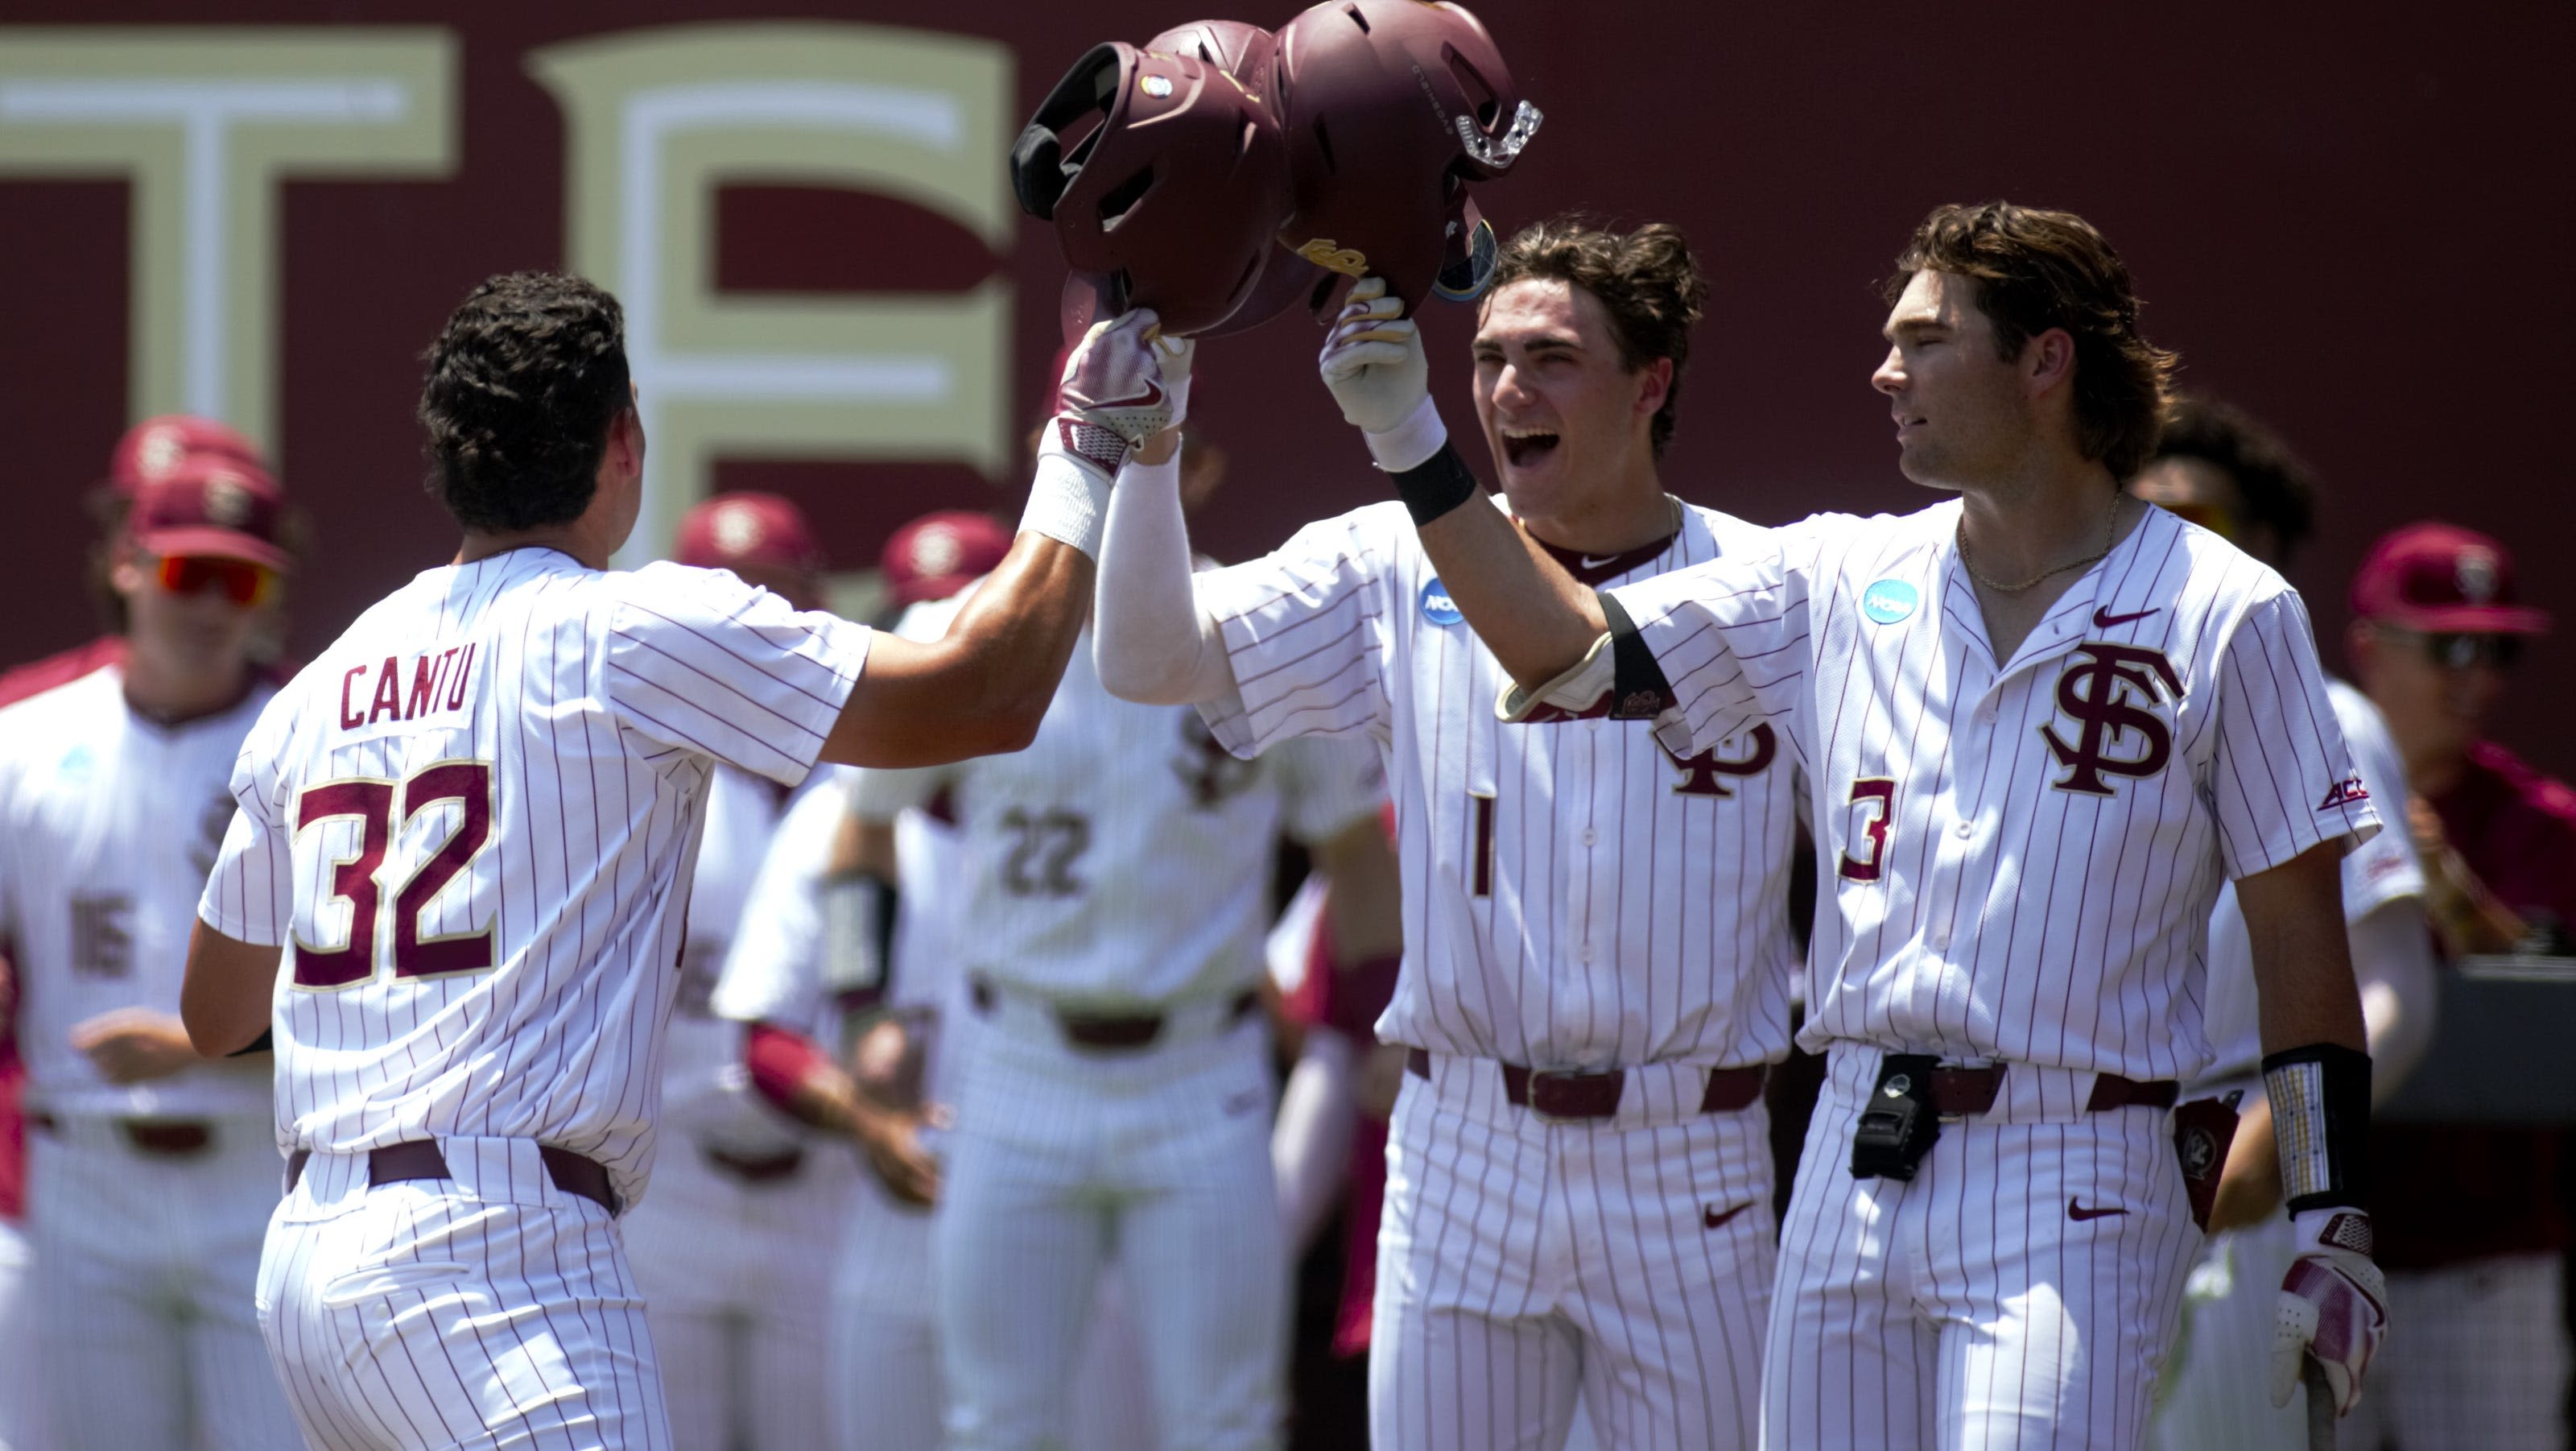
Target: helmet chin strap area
{"points": [[1501, 151]]}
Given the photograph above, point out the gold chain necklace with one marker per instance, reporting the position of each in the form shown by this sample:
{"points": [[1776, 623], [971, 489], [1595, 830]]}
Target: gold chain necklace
{"points": [[2110, 528]]}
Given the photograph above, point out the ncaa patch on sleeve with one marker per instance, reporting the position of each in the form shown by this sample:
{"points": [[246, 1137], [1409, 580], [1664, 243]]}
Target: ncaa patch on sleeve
{"points": [[1888, 601], [1437, 607]]}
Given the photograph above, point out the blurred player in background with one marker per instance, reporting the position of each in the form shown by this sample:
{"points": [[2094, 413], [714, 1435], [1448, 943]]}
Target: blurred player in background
{"points": [[1596, 939], [2215, 467], [736, 1249], [1115, 1106], [454, 890], [153, 1172], [2473, 1217]]}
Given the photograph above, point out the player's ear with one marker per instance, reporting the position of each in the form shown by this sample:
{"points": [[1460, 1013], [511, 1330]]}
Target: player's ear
{"points": [[2048, 360], [127, 570], [1654, 386]]}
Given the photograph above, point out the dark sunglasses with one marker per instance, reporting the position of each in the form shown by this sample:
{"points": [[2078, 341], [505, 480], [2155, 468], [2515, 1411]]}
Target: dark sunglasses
{"points": [[2455, 651], [243, 582]]}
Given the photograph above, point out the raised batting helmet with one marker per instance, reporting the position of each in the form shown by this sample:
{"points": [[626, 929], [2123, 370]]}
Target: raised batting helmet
{"points": [[1390, 107], [1170, 201]]}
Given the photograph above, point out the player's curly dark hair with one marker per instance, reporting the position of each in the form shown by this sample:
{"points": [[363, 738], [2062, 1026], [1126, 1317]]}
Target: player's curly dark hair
{"points": [[524, 382], [2279, 492], [2036, 270], [1646, 281]]}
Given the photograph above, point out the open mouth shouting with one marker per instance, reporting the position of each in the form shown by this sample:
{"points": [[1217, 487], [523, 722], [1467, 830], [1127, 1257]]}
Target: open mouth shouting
{"points": [[1526, 445]]}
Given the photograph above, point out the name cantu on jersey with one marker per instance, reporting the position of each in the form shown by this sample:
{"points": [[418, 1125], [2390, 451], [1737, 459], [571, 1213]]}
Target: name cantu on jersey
{"points": [[407, 687]]}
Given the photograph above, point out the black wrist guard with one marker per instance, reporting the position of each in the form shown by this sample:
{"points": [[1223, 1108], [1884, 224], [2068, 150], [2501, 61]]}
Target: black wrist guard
{"points": [[1436, 486], [2321, 1119], [266, 1042]]}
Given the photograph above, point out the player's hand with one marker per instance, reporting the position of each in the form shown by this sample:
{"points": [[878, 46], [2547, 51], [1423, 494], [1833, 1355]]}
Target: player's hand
{"points": [[891, 1140], [1123, 383], [135, 1045], [2334, 1306], [1372, 360]]}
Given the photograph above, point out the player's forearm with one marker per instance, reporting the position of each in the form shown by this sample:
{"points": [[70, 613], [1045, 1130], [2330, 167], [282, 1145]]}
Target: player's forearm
{"points": [[1150, 640], [799, 1079], [1533, 615], [2392, 959], [224, 997], [2302, 962]]}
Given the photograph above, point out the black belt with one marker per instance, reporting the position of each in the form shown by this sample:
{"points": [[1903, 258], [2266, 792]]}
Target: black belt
{"points": [[1558, 1093], [1109, 1032], [1967, 1092], [420, 1159]]}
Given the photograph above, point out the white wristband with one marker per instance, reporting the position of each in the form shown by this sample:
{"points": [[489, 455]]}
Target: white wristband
{"points": [[1068, 500], [1411, 443]]}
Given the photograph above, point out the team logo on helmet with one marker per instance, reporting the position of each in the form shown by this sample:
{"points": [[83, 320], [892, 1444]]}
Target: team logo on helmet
{"points": [[2477, 574], [1345, 260], [158, 453], [228, 501], [937, 551], [737, 529]]}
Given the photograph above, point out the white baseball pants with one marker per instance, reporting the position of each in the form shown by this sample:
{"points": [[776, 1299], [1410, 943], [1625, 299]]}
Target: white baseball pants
{"points": [[1522, 1261], [2019, 1293], [1064, 1161], [144, 1268], [737, 1286], [483, 1312]]}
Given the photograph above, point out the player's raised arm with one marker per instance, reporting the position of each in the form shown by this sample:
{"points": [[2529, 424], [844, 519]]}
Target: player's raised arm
{"points": [[982, 687]]}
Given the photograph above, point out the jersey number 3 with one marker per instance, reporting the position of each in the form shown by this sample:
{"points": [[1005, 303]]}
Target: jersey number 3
{"points": [[382, 809]]}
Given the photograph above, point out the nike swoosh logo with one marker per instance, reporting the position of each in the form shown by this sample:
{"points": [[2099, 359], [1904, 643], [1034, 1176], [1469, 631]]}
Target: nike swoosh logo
{"points": [[2076, 1211], [1591, 563], [1713, 1218], [2104, 619]]}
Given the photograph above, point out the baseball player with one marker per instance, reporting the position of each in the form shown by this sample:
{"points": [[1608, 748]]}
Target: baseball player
{"points": [[2042, 722], [1115, 1106], [152, 1173], [735, 1250], [1596, 944], [453, 893], [2221, 470]]}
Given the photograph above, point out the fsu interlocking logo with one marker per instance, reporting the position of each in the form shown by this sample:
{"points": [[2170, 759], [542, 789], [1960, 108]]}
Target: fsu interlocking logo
{"points": [[1701, 773], [1209, 771], [2107, 692]]}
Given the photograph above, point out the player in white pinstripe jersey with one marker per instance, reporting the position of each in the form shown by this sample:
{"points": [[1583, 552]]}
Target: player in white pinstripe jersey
{"points": [[454, 889], [2026, 800], [734, 1251], [1116, 1103], [1596, 944]]}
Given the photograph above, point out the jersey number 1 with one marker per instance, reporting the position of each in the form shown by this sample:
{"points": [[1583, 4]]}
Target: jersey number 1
{"points": [[381, 808]]}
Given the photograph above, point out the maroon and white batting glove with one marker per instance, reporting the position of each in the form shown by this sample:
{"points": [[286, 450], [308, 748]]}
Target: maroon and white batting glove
{"points": [[1123, 383], [2334, 1306]]}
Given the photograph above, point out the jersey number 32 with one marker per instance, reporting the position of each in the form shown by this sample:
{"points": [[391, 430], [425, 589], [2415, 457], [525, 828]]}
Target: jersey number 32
{"points": [[382, 809]]}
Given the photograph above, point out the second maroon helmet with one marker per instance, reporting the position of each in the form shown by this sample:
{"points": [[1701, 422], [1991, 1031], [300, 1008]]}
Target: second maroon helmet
{"points": [[1389, 108], [1170, 197]]}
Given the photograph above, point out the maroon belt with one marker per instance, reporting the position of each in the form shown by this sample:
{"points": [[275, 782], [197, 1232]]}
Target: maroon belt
{"points": [[756, 1168], [1554, 1093], [1109, 1032], [420, 1159], [1967, 1092]]}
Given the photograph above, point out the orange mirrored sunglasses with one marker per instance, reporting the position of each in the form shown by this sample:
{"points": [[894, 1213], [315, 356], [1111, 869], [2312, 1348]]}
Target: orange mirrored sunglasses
{"points": [[242, 582]]}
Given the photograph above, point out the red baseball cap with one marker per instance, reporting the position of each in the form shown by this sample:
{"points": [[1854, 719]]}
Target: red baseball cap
{"points": [[212, 507], [732, 531], [2441, 578], [154, 448], [939, 554]]}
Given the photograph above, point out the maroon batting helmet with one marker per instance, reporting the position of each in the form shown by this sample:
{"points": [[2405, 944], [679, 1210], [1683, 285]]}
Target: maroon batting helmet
{"points": [[1169, 200], [1390, 107]]}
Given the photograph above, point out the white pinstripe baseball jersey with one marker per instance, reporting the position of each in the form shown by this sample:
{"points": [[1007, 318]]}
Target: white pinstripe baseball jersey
{"points": [[1124, 856], [108, 826], [2024, 856], [1573, 897], [2381, 871], [471, 822]]}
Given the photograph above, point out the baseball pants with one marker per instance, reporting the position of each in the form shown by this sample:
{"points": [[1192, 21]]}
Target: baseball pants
{"points": [[1521, 1262], [737, 1286], [486, 1311], [2477, 1360], [1063, 1162], [22, 1385], [144, 1269], [2019, 1293]]}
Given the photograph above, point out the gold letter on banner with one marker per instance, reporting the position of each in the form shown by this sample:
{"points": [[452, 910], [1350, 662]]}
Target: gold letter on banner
{"points": [[659, 119], [205, 123]]}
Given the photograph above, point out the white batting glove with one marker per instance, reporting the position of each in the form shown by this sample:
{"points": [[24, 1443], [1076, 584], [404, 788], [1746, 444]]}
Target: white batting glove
{"points": [[1119, 389], [2334, 1306], [1372, 361]]}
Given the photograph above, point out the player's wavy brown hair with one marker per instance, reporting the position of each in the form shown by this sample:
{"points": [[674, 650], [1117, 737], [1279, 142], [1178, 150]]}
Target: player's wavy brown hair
{"points": [[1646, 281], [2036, 270], [524, 383]]}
